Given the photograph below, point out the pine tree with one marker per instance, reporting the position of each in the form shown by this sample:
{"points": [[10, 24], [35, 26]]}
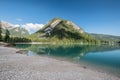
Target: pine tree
{"points": [[0, 32], [7, 35]]}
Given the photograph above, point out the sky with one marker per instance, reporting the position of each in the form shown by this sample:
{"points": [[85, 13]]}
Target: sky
{"points": [[94, 16]]}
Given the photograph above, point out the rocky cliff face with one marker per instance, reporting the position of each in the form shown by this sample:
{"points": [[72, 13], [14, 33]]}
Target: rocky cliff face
{"points": [[55, 23], [19, 32], [6, 25], [76, 27], [14, 31]]}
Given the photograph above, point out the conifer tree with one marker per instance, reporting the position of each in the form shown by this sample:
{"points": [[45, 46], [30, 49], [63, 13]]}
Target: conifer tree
{"points": [[7, 35], [0, 32]]}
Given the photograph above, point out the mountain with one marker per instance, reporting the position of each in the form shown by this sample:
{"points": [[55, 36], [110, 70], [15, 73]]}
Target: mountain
{"points": [[17, 31], [14, 31], [60, 28], [105, 37], [6, 25]]}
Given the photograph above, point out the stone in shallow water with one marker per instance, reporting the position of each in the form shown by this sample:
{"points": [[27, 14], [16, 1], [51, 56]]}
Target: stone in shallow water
{"points": [[22, 51]]}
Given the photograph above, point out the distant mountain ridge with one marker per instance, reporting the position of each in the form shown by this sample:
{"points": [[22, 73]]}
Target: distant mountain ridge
{"points": [[6, 25], [105, 37], [14, 31]]}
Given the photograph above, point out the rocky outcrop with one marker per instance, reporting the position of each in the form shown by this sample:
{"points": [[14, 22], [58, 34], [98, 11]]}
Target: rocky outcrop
{"points": [[6, 25], [76, 27], [14, 31], [55, 23]]}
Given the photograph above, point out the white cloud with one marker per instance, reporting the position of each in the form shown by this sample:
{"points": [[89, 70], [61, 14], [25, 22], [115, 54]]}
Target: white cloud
{"points": [[32, 27]]}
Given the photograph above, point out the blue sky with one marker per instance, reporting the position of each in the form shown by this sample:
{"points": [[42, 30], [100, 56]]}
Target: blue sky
{"points": [[94, 16]]}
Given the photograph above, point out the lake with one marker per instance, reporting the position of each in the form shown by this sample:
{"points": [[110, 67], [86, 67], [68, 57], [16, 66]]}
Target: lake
{"points": [[102, 58]]}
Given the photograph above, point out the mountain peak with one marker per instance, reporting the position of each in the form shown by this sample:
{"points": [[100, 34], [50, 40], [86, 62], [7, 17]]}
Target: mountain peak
{"points": [[55, 22], [60, 28]]}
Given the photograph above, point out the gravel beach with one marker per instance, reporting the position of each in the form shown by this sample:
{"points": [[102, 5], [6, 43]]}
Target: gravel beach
{"points": [[15, 66]]}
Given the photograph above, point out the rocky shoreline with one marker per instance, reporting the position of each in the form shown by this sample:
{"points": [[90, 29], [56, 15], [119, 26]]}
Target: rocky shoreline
{"points": [[14, 66]]}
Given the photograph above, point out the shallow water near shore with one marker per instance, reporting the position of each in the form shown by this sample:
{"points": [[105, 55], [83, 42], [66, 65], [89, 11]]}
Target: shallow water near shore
{"points": [[103, 58]]}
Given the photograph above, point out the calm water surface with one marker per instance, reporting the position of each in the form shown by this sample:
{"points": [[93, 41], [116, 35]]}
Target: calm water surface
{"points": [[100, 57]]}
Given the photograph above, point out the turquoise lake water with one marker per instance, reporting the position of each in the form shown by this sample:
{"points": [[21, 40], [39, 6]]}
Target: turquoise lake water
{"points": [[98, 57]]}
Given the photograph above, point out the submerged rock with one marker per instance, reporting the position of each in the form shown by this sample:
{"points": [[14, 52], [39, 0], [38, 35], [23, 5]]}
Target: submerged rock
{"points": [[22, 51]]}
